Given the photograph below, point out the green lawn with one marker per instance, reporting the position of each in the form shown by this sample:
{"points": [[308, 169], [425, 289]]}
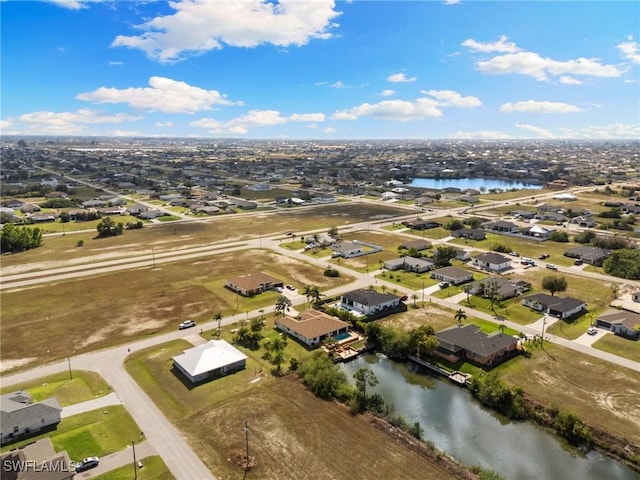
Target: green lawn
{"points": [[99, 432], [573, 329], [153, 469], [511, 309], [489, 327], [84, 386], [619, 346], [415, 281]]}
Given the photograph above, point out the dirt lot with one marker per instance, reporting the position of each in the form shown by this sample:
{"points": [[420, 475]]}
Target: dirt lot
{"points": [[49, 322], [600, 393], [294, 435]]}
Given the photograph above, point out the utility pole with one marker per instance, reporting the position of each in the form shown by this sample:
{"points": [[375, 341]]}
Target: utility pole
{"points": [[544, 322], [135, 464], [246, 439], [153, 256], [69, 364]]}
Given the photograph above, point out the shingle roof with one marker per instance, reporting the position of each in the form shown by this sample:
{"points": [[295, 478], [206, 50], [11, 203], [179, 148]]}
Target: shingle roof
{"points": [[312, 324], [369, 297], [212, 355], [254, 280], [472, 339]]}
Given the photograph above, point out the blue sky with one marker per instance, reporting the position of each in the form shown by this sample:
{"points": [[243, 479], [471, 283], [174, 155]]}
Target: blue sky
{"points": [[307, 69]]}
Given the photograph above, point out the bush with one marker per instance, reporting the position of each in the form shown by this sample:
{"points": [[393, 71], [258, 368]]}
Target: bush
{"points": [[331, 272], [559, 236]]}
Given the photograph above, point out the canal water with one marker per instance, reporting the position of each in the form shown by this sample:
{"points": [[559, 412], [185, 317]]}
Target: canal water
{"points": [[475, 183], [456, 423]]}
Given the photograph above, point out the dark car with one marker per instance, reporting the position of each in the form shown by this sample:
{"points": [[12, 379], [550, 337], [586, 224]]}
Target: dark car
{"points": [[87, 463], [578, 262], [543, 256]]}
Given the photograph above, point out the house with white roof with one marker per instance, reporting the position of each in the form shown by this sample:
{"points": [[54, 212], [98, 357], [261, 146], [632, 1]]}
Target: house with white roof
{"points": [[214, 359]]}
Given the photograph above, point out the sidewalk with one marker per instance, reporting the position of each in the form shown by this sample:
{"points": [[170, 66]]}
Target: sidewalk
{"points": [[96, 403]]}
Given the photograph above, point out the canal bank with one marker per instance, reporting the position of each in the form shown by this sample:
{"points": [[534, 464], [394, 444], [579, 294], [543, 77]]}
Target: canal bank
{"points": [[458, 425]]}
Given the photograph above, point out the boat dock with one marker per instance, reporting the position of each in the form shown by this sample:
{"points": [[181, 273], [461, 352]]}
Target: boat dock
{"points": [[459, 378]]}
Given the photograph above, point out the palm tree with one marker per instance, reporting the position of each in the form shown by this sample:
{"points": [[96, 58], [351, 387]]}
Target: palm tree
{"points": [[460, 316], [307, 291], [282, 304], [414, 297], [316, 294]]}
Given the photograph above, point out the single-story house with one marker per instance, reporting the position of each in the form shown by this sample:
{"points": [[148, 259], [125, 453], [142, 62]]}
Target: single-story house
{"points": [[410, 264], [471, 343], [368, 301], [419, 245], [556, 306], [591, 255], [505, 287], [30, 208], [501, 226], [355, 248], [462, 255], [419, 224], [469, 233], [42, 217], [37, 460], [491, 261], [20, 417], [621, 322], [214, 359], [583, 221], [453, 275], [93, 203], [245, 204], [312, 327], [537, 231], [523, 214], [253, 283]]}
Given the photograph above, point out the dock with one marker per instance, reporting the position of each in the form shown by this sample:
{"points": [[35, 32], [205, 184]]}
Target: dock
{"points": [[459, 378]]}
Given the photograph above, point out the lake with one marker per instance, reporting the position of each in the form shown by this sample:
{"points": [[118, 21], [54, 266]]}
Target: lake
{"points": [[457, 424], [475, 183]]}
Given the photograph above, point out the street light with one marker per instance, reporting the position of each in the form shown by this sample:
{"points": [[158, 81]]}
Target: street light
{"points": [[544, 322], [135, 464]]}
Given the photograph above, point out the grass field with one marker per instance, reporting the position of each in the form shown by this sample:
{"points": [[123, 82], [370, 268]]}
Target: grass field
{"points": [[292, 434], [135, 303], [99, 432], [82, 387], [600, 393], [619, 346], [153, 469]]}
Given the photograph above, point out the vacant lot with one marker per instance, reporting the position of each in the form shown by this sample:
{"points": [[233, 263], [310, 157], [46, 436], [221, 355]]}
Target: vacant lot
{"points": [[600, 393], [174, 235], [113, 308], [291, 433]]}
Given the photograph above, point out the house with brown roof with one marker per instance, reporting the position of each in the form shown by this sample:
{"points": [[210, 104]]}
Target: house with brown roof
{"points": [[253, 283], [621, 322], [469, 342], [312, 327], [452, 275]]}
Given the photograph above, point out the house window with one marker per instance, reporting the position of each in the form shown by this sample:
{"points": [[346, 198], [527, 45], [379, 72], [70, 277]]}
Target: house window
{"points": [[42, 421], [16, 429]]}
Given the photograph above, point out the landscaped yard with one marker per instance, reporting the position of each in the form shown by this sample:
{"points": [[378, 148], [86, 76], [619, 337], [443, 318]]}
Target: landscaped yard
{"points": [[99, 432], [82, 387]]}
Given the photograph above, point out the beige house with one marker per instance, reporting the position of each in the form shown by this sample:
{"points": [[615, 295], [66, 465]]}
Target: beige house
{"points": [[312, 327], [253, 283]]}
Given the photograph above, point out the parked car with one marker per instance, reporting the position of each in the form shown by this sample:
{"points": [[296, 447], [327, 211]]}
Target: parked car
{"points": [[514, 254], [444, 284], [543, 256], [578, 262], [279, 289], [592, 330], [186, 324], [87, 463], [404, 298], [290, 287], [551, 266]]}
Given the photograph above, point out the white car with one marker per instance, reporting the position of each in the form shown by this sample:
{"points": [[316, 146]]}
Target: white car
{"points": [[187, 324], [87, 463], [592, 330]]}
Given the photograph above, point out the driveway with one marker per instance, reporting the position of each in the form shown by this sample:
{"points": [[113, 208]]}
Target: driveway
{"points": [[96, 403], [119, 459], [588, 340]]}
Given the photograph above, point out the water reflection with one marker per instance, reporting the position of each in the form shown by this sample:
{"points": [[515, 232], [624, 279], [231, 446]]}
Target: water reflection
{"points": [[457, 424]]}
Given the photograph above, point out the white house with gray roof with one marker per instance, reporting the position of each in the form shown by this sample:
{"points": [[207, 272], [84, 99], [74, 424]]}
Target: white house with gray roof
{"points": [[20, 417], [368, 301]]}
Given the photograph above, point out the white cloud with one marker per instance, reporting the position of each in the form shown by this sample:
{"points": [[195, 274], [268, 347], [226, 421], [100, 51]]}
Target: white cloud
{"points": [[538, 131], [392, 110], [115, 63], [499, 46], [164, 124], [254, 119], [616, 130], [533, 65], [65, 123], [570, 80], [73, 4], [481, 134], [449, 98], [387, 93], [630, 50], [329, 130], [400, 78], [338, 84], [451, 2], [533, 106], [198, 27], [162, 95]]}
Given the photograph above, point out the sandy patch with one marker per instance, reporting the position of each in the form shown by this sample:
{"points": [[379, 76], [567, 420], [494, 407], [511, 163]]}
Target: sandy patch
{"points": [[6, 365]]}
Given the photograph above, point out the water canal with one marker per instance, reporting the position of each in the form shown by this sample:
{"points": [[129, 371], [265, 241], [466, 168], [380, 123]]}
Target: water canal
{"points": [[473, 435], [475, 183]]}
